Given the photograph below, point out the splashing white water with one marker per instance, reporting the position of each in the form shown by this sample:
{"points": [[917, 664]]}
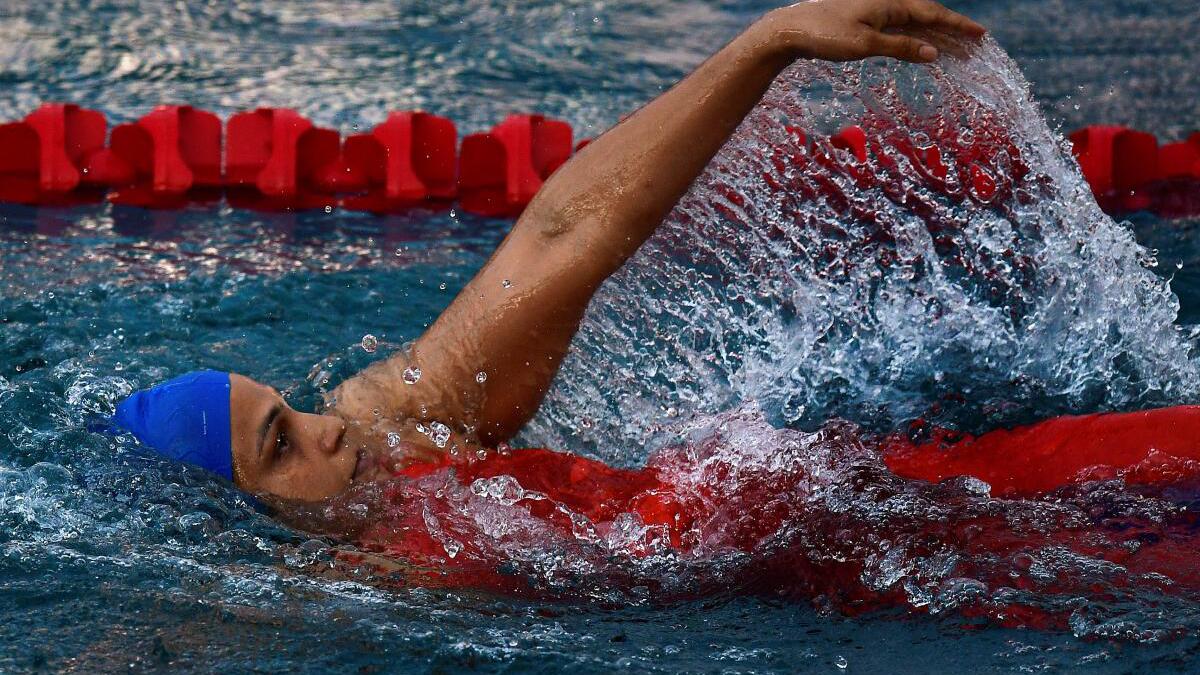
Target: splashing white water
{"points": [[817, 285]]}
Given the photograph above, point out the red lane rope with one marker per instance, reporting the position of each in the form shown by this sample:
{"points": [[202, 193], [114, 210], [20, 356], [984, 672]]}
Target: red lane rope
{"points": [[275, 159]]}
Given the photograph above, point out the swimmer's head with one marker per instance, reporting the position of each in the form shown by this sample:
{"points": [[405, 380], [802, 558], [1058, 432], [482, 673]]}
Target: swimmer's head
{"points": [[185, 419], [245, 431]]}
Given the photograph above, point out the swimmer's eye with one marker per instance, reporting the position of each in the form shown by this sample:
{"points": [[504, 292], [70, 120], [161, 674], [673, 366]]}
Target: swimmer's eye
{"points": [[281, 445]]}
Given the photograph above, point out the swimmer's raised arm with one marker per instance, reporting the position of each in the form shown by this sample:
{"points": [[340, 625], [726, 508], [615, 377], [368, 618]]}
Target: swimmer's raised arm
{"points": [[514, 320]]}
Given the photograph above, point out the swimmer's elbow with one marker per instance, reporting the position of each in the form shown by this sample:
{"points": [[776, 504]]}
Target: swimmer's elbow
{"points": [[571, 204], [550, 220]]}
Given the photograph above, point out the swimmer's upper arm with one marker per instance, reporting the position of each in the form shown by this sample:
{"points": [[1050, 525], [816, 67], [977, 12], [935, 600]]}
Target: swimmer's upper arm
{"points": [[483, 367], [490, 357]]}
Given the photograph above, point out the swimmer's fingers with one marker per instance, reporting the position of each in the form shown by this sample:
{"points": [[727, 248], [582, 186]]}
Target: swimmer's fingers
{"points": [[929, 14], [842, 30], [903, 47], [945, 43]]}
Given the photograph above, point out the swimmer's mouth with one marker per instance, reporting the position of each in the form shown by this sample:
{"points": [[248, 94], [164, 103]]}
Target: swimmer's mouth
{"points": [[364, 459]]}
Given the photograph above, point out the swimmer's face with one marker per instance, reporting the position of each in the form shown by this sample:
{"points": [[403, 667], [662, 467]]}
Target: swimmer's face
{"points": [[289, 454]]}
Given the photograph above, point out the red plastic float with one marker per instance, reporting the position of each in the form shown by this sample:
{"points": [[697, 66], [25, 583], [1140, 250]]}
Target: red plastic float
{"points": [[274, 157], [1128, 171], [20, 163], [500, 171], [173, 154], [1180, 160], [408, 160], [853, 140], [49, 155]]}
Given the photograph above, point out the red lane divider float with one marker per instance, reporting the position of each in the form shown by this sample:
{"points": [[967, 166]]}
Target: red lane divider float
{"points": [[275, 159], [501, 170], [48, 158], [166, 158], [408, 160], [1129, 171]]}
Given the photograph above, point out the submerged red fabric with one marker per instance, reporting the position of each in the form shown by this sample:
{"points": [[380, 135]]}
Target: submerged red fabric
{"points": [[586, 486], [1160, 447], [1150, 446]]}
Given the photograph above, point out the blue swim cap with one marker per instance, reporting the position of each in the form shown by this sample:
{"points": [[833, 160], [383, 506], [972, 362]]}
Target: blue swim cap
{"points": [[185, 419]]}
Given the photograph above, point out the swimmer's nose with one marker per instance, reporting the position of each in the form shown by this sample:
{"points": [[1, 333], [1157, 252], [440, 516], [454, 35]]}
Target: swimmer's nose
{"points": [[325, 432], [332, 431]]}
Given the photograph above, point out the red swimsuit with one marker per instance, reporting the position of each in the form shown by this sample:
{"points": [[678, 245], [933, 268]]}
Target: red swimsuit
{"points": [[462, 519]]}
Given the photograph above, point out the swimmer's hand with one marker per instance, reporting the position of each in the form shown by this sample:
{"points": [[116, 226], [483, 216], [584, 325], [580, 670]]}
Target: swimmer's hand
{"points": [[847, 30]]}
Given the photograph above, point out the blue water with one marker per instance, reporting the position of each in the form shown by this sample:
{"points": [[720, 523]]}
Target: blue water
{"points": [[110, 560]]}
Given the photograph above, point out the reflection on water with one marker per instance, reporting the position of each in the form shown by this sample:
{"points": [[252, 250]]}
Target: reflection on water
{"points": [[42, 247]]}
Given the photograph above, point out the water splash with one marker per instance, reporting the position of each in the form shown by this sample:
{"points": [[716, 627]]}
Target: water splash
{"points": [[961, 270]]}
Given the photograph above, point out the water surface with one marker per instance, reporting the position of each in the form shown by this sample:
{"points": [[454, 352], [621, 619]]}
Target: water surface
{"points": [[110, 559]]}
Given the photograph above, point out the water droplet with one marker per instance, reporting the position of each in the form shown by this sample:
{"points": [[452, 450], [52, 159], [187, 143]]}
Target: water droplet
{"points": [[506, 283], [393, 439], [442, 286], [328, 208], [422, 429], [439, 433], [504, 449], [841, 663], [369, 343], [481, 377], [411, 375], [481, 453]]}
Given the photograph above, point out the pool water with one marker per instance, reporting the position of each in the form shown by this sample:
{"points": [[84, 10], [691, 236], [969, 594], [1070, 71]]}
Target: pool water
{"points": [[112, 560]]}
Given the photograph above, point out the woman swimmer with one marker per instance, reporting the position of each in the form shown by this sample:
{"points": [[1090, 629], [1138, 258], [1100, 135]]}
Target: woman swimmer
{"points": [[513, 322], [479, 373]]}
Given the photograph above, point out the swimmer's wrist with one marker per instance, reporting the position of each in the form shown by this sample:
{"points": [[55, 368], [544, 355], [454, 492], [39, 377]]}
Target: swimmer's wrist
{"points": [[775, 40]]}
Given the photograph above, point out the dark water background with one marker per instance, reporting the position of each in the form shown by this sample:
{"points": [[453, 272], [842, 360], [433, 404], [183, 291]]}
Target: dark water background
{"points": [[112, 561]]}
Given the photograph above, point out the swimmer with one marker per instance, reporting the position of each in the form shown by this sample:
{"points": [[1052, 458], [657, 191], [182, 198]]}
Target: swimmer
{"points": [[480, 371]]}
